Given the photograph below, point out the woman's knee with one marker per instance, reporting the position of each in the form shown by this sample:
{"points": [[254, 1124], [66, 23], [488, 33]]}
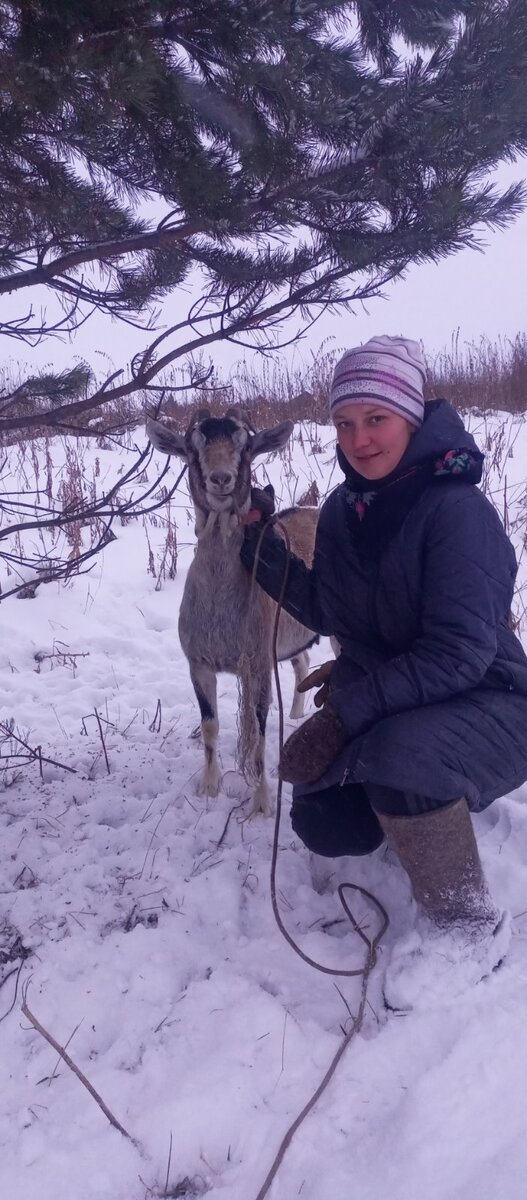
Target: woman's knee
{"points": [[336, 821]]}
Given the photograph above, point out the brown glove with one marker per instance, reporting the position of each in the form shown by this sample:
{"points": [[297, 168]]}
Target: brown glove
{"points": [[319, 678], [309, 751]]}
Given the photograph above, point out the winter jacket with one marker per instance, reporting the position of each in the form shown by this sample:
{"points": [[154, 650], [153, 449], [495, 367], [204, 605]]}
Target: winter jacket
{"points": [[424, 623]]}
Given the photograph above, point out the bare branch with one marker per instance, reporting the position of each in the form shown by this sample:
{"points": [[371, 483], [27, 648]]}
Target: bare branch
{"points": [[101, 735], [73, 1067], [34, 754]]}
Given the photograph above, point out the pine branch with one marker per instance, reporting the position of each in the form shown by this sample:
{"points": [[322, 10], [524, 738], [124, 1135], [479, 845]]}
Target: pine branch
{"points": [[291, 161], [310, 293]]}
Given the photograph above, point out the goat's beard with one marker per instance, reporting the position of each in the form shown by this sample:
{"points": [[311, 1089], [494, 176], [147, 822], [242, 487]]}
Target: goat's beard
{"points": [[219, 513], [226, 523]]}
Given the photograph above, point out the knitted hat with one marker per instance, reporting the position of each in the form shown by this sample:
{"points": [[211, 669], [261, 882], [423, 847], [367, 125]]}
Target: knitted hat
{"points": [[387, 371]]}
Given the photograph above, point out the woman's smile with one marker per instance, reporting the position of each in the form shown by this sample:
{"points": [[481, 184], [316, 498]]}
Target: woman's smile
{"points": [[372, 438]]}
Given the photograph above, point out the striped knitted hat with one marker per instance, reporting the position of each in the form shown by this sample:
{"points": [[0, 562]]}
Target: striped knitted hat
{"points": [[387, 371]]}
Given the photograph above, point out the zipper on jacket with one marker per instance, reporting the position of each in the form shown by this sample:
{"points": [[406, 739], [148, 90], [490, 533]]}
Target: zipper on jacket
{"points": [[372, 618], [370, 607]]}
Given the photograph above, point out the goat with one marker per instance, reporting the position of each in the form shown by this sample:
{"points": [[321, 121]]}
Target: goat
{"points": [[223, 618]]}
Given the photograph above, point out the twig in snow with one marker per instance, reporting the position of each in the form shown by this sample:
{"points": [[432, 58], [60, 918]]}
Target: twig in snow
{"points": [[65, 657], [286, 1014], [168, 1164], [101, 734], [20, 879], [155, 724], [73, 1067], [169, 731], [130, 723], [54, 1074], [204, 865], [282, 1066], [165, 810], [346, 1005], [5, 979], [226, 826], [32, 753]]}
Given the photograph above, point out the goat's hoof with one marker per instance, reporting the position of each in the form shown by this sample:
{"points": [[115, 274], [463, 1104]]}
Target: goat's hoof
{"points": [[208, 787], [256, 810], [260, 806]]}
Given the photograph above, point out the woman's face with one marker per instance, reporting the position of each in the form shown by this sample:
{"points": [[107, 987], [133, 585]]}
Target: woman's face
{"points": [[372, 439]]}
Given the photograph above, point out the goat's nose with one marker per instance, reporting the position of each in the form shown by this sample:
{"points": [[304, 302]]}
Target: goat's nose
{"points": [[221, 478]]}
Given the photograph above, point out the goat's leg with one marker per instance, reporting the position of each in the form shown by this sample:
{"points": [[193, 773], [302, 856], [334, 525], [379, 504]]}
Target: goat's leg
{"points": [[204, 683], [262, 801], [300, 665]]}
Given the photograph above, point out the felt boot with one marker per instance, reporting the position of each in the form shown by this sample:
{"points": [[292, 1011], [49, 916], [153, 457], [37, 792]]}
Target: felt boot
{"points": [[461, 936]]}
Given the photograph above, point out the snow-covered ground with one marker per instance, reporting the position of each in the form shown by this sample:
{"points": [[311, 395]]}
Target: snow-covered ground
{"points": [[154, 953]]}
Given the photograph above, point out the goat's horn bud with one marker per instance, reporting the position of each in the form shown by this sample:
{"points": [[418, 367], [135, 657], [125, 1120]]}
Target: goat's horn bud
{"points": [[240, 414], [196, 418]]}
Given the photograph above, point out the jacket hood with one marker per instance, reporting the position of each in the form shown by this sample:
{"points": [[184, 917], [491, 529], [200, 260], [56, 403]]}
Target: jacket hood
{"points": [[442, 430]]}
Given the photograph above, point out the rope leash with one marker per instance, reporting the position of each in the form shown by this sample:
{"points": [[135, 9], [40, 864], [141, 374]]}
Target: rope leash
{"points": [[371, 944]]}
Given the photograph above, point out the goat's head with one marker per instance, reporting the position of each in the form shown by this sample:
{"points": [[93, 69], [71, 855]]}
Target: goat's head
{"points": [[219, 452]]}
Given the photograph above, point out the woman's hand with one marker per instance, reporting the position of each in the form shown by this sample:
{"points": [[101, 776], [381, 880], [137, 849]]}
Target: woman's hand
{"points": [[262, 508], [319, 678]]}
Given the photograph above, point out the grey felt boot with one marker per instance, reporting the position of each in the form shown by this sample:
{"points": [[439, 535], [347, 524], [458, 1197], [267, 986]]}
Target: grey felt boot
{"points": [[439, 852], [462, 936]]}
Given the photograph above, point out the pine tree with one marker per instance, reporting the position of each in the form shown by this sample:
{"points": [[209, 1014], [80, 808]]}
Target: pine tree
{"points": [[300, 153]]}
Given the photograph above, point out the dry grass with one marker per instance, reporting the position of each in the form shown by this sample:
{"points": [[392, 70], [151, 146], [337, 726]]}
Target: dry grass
{"points": [[486, 376]]}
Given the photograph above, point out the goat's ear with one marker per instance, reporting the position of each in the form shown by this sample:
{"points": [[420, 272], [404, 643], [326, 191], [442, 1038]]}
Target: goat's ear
{"points": [[165, 439], [271, 439]]}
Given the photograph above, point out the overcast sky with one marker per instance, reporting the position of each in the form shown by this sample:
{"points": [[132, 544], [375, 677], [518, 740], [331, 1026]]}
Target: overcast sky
{"points": [[479, 294]]}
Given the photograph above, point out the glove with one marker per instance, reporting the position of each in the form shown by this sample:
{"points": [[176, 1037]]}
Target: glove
{"points": [[309, 751], [259, 517], [319, 678]]}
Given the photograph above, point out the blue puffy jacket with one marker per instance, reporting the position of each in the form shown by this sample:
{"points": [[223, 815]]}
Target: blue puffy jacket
{"points": [[431, 684]]}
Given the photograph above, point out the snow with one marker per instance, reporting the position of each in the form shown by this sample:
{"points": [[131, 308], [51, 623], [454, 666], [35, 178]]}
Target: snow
{"points": [[154, 952]]}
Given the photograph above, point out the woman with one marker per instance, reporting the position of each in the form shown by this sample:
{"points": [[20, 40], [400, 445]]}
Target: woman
{"points": [[426, 714]]}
